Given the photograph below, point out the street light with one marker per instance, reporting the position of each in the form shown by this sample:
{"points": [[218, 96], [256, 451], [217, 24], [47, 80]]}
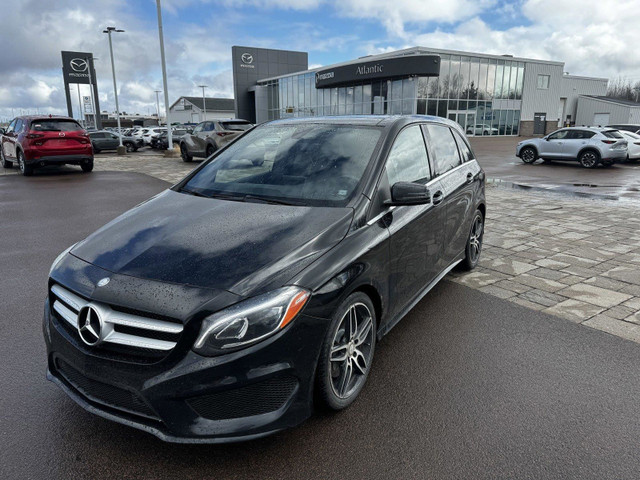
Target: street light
{"points": [[164, 79], [108, 31], [158, 105], [204, 102]]}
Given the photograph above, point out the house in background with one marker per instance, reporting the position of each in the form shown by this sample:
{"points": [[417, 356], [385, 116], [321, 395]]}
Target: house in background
{"points": [[191, 109]]}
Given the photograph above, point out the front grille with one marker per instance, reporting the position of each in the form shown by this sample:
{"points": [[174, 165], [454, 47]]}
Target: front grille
{"points": [[256, 399], [121, 333], [104, 394]]}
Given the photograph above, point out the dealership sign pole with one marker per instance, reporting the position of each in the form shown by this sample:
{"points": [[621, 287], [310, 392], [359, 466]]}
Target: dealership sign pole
{"points": [[78, 67], [164, 77]]}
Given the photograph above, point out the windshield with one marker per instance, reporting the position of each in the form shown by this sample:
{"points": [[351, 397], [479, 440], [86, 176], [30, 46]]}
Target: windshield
{"points": [[311, 164], [53, 125]]}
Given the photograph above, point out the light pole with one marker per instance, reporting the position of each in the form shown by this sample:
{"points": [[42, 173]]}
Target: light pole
{"points": [[108, 31], [204, 102], [164, 80], [158, 105], [90, 62]]}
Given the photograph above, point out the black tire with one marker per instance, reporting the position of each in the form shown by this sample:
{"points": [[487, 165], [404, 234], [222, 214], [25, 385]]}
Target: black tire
{"points": [[589, 159], [26, 170], [334, 388], [486, 132], [473, 248], [546, 160], [5, 163], [184, 153], [528, 155], [130, 147], [608, 163], [210, 150], [87, 167]]}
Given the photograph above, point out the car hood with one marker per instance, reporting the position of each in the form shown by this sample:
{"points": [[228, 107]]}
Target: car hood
{"points": [[240, 247]]}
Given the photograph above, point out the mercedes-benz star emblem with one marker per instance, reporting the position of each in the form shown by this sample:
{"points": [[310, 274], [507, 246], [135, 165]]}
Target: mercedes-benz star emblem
{"points": [[247, 58], [103, 282], [78, 65], [89, 325]]}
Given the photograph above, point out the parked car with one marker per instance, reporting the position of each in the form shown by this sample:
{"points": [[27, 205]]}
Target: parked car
{"points": [[633, 144], [209, 136], [104, 140], [590, 146], [36, 141], [152, 133], [481, 129], [218, 309], [161, 141], [629, 127]]}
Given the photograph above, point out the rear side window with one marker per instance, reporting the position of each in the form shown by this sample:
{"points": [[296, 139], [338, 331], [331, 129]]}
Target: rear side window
{"points": [[580, 134], [18, 127], [237, 126], [465, 151], [612, 134], [444, 148], [54, 125], [407, 160]]}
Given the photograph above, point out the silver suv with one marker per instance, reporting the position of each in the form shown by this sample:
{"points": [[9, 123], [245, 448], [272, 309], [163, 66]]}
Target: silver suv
{"points": [[588, 145], [209, 136]]}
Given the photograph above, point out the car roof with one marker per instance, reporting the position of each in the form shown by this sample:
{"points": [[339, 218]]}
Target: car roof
{"points": [[367, 120], [586, 127], [44, 117]]}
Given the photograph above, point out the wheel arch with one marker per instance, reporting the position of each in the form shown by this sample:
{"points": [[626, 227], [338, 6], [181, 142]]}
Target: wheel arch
{"points": [[531, 146], [589, 148]]}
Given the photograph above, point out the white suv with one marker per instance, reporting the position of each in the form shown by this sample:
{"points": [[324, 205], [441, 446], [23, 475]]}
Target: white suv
{"points": [[588, 145]]}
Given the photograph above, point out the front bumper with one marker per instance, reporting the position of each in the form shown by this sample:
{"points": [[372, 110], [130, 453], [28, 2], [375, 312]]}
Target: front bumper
{"points": [[189, 398]]}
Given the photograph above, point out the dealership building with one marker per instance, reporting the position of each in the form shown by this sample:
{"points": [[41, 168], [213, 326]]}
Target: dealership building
{"points": [[485, 94]]}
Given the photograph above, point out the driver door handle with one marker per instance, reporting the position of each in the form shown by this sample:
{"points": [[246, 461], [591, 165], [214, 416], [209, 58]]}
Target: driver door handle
{"points": [[438, 197]]}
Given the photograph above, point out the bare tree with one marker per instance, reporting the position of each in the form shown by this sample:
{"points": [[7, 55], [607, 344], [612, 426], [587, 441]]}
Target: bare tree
{"points": [[623, 89]]}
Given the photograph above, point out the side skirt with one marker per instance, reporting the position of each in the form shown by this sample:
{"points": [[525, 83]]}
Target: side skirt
{"points": [[389, 325]]}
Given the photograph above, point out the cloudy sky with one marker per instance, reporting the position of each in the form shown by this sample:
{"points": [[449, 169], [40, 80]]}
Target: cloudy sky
{"points": [[593, 37]]}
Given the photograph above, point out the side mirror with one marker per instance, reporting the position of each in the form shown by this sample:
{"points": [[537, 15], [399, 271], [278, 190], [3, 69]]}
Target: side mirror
{"points": [[546, 138], [408, 193], [2, 131]]}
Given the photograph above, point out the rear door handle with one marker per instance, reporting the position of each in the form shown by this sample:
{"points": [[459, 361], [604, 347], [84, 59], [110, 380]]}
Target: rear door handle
{"points": [[438, 197], [469, 177]]}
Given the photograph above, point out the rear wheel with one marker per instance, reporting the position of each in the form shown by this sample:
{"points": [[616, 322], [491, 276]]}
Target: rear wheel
{"points": [[184, 153], [130, 147], [347, 352], [589, 159], [474, 242], [5, 163], [528, 155], [87, 167], [26, 170], [210, 150]]}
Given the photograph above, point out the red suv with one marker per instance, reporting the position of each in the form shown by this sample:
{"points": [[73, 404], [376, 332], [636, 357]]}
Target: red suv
{"points": [[36, 141]]}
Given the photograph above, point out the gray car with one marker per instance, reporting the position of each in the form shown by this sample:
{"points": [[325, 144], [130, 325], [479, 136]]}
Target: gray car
{"points": [[105, 140], [209, 136], [590, 146]]}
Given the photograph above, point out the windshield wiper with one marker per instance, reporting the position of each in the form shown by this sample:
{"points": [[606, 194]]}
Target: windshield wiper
{"points": [[274, 201], [194, 193]]}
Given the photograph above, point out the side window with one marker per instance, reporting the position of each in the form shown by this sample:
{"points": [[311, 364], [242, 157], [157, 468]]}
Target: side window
{"points": [[444, 148], [18, 127], [407, 160], [465, 151], [579, 134], [208, 127], [559, 135], [12, 126], [198, 128]]}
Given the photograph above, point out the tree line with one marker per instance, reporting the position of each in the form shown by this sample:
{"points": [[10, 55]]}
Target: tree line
{"points": [[624, 89]]}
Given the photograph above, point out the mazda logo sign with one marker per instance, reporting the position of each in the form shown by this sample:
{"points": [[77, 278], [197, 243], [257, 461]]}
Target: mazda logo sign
{"points": [[247, 58], [90, 325], [79, 65]]}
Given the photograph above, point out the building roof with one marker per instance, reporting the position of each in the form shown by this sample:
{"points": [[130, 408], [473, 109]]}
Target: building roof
{"points": [[627, 103], [213, 103]]}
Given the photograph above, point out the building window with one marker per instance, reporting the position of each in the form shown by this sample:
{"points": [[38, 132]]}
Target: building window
{"points": [[543, 82]]}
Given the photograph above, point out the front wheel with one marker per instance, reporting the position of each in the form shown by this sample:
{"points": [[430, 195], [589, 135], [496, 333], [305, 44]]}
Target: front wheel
{"points": [[589, 159], [210, 150], [184, 153], [474, 242], [130, 147], [347, 352], [5, 163], [528, 155], [87, 167]]}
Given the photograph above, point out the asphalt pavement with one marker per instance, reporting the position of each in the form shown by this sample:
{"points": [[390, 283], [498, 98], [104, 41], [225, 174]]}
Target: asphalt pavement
{"points": [[466, 386]]}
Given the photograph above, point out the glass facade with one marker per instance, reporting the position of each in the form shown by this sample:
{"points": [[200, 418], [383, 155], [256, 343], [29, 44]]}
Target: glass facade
{"points": [[482, 94]]}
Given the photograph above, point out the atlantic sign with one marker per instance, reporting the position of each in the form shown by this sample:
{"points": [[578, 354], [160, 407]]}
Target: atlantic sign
{"points": [[421, 65]]}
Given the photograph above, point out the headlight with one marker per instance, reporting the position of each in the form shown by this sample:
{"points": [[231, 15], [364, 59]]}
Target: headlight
{"points": [[250, 321], [60, 257]]}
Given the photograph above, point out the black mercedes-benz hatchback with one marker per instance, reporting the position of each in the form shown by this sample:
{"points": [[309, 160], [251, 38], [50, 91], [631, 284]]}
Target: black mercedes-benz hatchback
{"points": [[229, 305]]}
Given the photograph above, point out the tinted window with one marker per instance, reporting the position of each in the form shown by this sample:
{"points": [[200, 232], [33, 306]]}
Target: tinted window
{"points": [[314, 164], [580, 134], [559, 135], [55, 125], [407, 160], [444, 148], [18, 126], [465, 151], [208, 127], [612, 134], [97, 135], [237, 126]]}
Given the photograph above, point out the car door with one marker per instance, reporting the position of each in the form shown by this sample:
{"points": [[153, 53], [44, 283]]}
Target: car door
{"points": [[208, 129], [553, 145], [9, 140], [415, 231], [112, 141], [192, 141], [459, 174], [574, 142]]}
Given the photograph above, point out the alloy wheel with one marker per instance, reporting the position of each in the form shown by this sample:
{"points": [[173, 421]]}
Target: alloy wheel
{"points": [[351, 350], [528, 155], [475, 238], [21, 163], [588, 159]]}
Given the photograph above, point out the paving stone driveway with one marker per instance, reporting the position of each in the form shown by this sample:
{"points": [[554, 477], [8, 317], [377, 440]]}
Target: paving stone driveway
{"points": [[572, 257]]}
